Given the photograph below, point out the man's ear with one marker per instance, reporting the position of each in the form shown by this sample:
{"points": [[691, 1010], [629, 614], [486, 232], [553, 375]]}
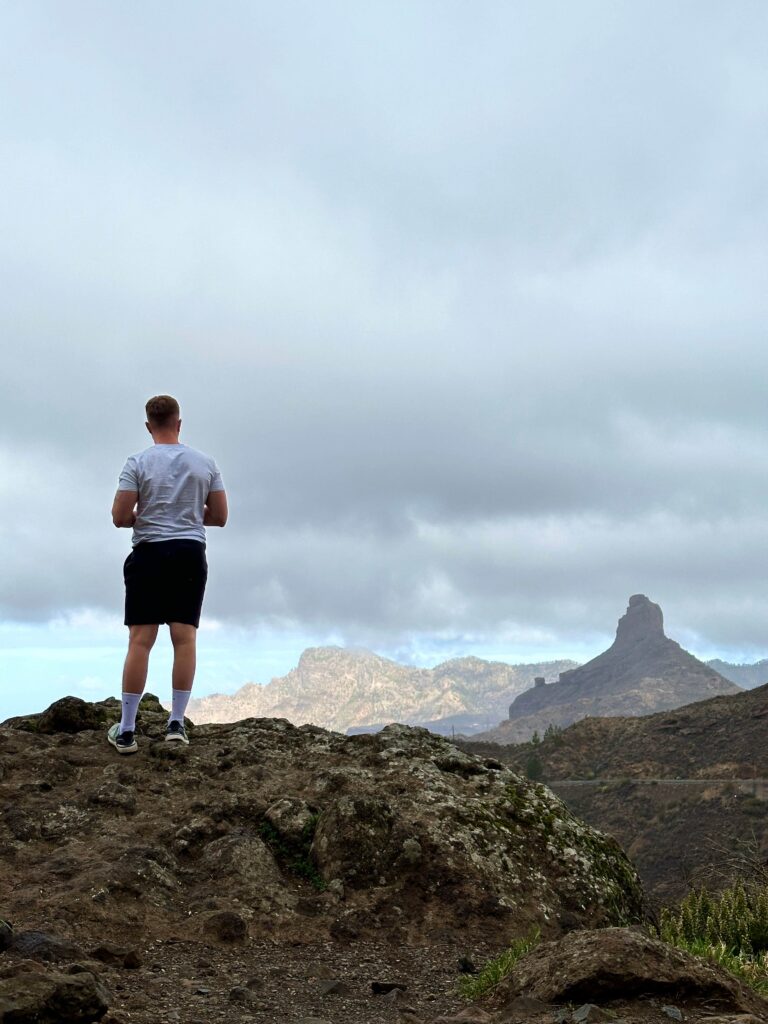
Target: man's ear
{"points": [[148, 427], [178, 427]]}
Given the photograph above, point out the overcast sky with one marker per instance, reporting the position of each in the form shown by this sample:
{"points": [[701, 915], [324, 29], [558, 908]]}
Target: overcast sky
{"points": [[468, 300]]}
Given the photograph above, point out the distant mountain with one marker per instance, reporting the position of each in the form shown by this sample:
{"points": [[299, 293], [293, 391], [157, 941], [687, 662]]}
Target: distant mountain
{"points": [[643, 671], [342, 689], [747, 676], [719, 738]]}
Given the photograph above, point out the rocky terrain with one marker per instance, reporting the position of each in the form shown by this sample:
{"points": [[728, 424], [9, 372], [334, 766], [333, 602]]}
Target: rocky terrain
{"points": [[342, 689], [685, 792], [261, 832], [641, 672], [268, 872]]}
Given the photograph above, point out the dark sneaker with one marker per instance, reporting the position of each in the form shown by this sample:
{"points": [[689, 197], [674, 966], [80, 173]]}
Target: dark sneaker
{"points": [[176, 733], [123, 742]]}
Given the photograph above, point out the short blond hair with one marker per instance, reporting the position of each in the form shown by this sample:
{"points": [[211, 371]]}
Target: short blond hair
{"points": [[162, 411]]}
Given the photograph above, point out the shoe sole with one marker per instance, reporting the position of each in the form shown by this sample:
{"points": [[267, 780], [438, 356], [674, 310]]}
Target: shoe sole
{"points": [[175, 738], [124, 750]]}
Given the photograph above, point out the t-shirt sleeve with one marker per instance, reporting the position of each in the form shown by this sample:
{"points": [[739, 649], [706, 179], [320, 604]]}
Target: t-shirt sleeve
{"points": [[217, 484], [129, 478]]}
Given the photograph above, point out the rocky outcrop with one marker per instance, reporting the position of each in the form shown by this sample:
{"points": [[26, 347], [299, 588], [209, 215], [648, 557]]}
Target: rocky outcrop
{"points": [[619, 964], [342, 689], [642, 672], [305, 834], [50, 997]]}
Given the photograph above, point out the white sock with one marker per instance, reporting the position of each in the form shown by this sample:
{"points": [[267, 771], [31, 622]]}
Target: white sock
{"points": [[130, 707], [179, 702]]}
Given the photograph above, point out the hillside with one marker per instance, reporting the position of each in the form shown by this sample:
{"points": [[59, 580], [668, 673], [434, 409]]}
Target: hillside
{"points": [[342, 689], [642, 672], [719, 738], [673, 787], [748, 676], [201, 870]]}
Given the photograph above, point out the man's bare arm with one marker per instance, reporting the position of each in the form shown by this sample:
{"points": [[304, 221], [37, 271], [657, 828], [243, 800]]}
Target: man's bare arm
{"points": [[124, 508], [216, 509]]}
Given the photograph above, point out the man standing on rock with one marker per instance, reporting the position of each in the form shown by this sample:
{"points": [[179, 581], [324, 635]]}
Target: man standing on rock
{"points": [[168, 494]]}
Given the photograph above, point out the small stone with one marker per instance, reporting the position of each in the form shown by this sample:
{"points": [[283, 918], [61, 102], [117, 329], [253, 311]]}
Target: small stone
{"points": [[473, 1015], [380, 988], [226, 926], [117, 956], [411, 852], [398, 997], [322, 971], [42, 946], [466, 966], [86, 967], [200, 991], [335, 988], [22, 967], [587, 1013], [672, 1012], [240, 994], [527, 1004]]}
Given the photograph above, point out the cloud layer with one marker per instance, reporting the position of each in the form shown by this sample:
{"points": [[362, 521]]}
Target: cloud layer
{"points": [[469, 304]]}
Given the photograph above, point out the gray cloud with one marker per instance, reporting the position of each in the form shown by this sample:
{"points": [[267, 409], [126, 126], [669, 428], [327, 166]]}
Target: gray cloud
{"points": [[469, 305]]}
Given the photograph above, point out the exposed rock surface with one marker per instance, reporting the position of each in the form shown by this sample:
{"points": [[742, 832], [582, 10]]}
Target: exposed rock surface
{"points": [[303, 833], [268, 872], [345, 689], [661, 785], [642, 672], [52, 998], [619, 963]]}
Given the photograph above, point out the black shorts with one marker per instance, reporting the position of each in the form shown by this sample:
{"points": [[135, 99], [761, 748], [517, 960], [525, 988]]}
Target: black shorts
{"points": [[165, 582]]}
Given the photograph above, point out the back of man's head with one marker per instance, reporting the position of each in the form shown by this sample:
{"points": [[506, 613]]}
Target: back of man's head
{"points": [[162, 412]]}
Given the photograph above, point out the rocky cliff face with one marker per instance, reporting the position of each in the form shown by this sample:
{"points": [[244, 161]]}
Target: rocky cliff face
{"points": [[343, 689], [643, 671]]}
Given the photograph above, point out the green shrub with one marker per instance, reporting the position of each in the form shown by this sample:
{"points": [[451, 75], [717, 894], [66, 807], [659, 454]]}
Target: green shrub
{"points": [[474, 986], [731, 929], [294, 857]]}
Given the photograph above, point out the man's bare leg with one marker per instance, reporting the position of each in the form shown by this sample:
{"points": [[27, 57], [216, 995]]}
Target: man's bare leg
{"points": [[184, 640], [141, 639], [140, 642]]}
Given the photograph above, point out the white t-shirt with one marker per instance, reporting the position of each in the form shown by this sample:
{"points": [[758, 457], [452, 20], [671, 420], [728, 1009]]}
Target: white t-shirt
{"points": [[173, 482]]}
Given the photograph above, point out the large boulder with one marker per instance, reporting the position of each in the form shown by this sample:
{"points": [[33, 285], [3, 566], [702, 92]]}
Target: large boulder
{"points": [[69, 715], [52, 998], [599, 965]]}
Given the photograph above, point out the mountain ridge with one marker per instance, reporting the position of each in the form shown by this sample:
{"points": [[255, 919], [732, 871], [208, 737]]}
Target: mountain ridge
{"points": [[338, 688], [643, 671]]}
